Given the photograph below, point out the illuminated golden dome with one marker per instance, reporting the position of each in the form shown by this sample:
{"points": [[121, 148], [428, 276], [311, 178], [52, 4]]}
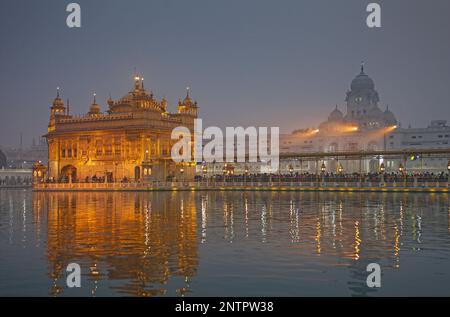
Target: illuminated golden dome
{"points": [[136, 100], [58, 104]]}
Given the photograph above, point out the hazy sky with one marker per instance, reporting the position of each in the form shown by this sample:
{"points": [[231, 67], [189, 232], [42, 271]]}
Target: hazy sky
{"points": [[253, 62]]}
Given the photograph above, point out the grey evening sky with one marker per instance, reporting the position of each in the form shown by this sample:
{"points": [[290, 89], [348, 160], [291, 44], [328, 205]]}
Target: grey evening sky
{"points": [[248, 62]]}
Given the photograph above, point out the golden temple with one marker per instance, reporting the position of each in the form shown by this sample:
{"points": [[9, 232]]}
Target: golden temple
{"points": [[131, 141]]}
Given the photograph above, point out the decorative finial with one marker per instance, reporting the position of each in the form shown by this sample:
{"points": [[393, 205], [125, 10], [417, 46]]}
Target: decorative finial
{"points": [[68, 106], [137, 81], [336, 107], [387, 107], [188, 89], [95, 98], [142, 83], [362, 67], [57, 91]]}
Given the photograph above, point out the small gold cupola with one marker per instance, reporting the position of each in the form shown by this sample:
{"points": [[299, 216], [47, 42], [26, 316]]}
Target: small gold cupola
{"points": [[188, 106], [58, 107], [95, 109]]}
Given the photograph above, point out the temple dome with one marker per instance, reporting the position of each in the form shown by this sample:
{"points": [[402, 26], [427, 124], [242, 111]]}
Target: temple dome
{"points": [[336, 115], [57, 106], [94, 109], [389, 117], [362, 82]]}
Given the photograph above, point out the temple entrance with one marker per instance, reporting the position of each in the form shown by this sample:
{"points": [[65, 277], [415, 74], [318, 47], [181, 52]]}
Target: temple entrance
{"points": [[69, 173], [137, 173]]}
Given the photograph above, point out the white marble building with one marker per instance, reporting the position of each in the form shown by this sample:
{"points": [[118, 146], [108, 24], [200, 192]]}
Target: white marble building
{"points": [[364, 126]]}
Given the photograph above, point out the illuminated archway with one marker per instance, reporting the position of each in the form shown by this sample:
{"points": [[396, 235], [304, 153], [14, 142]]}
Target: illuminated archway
{"points": [[69, 173]]}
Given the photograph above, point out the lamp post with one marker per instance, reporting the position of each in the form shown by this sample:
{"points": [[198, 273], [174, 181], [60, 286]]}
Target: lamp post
{"points": [[323, 168], [340, 171], [224, 172], [182, 171], [245, 175], [291, 172], [382, 169], [205, 171], [401, 169]]}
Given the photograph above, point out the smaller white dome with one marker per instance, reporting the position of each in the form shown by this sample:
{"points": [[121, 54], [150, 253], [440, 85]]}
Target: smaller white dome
{"points": [[389, 117], [336, 115]]}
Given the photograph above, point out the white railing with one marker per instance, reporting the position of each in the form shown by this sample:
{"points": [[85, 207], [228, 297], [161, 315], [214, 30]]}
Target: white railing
{"points": [[247, 185]]}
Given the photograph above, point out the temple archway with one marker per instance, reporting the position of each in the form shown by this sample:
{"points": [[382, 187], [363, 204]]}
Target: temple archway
{"points": [[137, 173], [69, 173]]}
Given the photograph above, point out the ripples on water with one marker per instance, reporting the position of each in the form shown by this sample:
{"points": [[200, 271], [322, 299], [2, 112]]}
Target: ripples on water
{"points": [[224, 243]]}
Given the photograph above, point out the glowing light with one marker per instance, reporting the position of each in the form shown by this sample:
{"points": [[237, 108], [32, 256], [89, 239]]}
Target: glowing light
{"points": [[349, 129]]}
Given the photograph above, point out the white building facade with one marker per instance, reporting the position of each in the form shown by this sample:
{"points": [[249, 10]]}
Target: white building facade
{"points": [[365, 127]]}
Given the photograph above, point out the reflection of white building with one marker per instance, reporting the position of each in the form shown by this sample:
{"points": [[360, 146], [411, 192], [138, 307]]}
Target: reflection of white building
{"points": [[365, 126]]}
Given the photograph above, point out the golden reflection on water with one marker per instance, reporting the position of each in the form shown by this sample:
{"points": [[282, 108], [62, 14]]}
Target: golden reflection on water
{"points": [[142, 242]]}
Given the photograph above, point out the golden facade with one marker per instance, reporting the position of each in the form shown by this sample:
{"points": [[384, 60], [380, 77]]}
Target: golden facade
{"points": [[131, 141]]}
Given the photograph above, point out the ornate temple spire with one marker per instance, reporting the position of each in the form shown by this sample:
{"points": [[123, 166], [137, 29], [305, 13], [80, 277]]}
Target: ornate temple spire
{"points": [[362, 67]]}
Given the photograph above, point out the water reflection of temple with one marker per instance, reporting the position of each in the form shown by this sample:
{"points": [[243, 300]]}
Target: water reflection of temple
{"points": [[149, 244], [139, 240]]}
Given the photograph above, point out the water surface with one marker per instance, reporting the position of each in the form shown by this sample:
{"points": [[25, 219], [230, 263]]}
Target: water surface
{"points": [[224, 243]]}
